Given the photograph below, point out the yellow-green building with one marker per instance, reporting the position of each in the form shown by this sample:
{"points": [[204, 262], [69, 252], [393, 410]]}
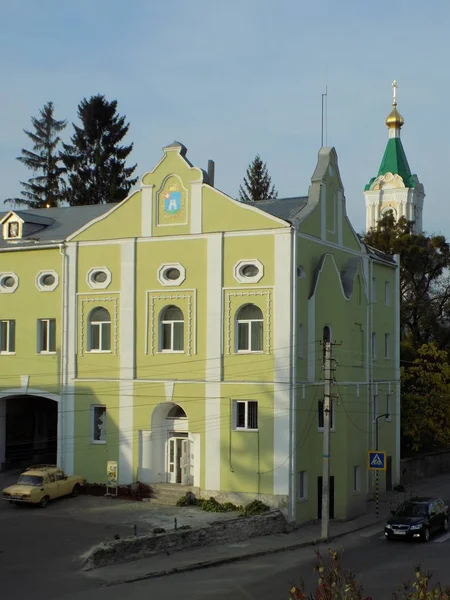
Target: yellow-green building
{"points": [[180, 333]]}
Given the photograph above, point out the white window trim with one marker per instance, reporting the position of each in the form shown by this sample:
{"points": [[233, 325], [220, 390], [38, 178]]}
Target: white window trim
{"points": [[238, 321], [46, 288], [50, 322], [235, 413], [356, 479], [6, 235], [8, 290], [161, 337], [333, 417], [387, 346], [93, 407], [304, 497], [98, 324], [8, 326], [238, 267], [171, 282], [95, 285]]}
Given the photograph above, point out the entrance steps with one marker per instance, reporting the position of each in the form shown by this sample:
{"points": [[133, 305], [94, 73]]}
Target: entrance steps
{"points": [[168, 494]]}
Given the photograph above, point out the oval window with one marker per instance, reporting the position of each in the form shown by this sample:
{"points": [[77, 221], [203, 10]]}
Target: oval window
{"points": [[8, 281], [99, 276], [48, 279], [173, 274], [249, 270]]}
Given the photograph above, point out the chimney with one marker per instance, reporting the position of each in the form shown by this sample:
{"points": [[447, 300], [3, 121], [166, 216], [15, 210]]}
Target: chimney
{"points": [[211, 172]]}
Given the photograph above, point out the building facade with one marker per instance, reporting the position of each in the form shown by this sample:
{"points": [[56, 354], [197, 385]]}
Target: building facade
{"points": [[395, 189], [180, 333]]}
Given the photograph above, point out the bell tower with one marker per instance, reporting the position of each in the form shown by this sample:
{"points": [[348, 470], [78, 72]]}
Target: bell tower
{"points": [[394, 189]]}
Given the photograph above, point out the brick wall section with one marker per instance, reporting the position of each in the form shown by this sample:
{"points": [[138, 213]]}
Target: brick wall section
{"points": [[219, 532]]}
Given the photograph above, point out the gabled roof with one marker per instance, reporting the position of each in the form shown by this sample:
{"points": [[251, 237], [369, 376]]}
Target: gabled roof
{"points": [[283, 208], [57, 223]]}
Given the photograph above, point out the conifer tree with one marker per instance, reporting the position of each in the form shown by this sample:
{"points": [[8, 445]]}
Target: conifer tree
{"points": [[95, 160], [258, 183], [46, 188]]}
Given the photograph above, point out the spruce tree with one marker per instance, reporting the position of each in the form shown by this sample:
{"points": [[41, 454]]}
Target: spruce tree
{"points": [[95, 160], [46, 188], [258, 183]]}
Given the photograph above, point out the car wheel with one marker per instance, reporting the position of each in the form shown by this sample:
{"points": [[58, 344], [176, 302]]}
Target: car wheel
{"points": [[426, 535], [445, 526], [44, 502], [75, 491]]}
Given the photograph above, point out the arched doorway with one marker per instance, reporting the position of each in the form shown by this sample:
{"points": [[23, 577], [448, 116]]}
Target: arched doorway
{"points": [[28, 431], [168, 452]]}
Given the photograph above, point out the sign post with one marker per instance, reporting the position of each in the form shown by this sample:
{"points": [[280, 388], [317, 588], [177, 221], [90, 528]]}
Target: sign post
{"points": [[112, 478], [376, 462]]}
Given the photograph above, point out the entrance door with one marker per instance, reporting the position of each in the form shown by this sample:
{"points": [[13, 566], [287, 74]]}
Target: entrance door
{"points": [[319, 497], [178, 460]]}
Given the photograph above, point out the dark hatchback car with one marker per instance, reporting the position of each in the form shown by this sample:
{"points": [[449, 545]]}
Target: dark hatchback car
{"points": [[417, 518]]}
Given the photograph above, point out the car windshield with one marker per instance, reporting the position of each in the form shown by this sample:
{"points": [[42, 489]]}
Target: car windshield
{"points": [[410, 509], [34, 480]]}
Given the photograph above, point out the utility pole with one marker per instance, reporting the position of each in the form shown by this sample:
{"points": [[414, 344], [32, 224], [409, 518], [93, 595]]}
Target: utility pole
{"points": [[327, 408], [377, 484]]}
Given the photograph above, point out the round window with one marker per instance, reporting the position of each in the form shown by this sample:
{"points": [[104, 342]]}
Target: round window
{"points": [[8, 281], [48, 279], [173, 274], [99, 277], [249, 271]]}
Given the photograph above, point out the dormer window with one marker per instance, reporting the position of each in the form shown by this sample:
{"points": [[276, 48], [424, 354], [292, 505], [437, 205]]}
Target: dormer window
{"points": [[13, 229]]}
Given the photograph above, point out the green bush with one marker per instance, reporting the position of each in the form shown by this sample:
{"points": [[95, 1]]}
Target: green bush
{"points": [[255, 508], [212, 505]]}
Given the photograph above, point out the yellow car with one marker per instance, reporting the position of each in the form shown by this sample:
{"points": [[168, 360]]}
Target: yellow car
{"points": [[40, 484]]}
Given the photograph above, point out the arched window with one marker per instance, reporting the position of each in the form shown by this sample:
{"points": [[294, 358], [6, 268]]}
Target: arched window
{"points": [[176, 412], [250, 329], [172, 329], [99, 330]]}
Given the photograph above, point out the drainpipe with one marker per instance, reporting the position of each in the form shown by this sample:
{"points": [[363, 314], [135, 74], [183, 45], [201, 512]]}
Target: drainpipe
{"points": [[62, 451], [370, 399], [293, 386]]}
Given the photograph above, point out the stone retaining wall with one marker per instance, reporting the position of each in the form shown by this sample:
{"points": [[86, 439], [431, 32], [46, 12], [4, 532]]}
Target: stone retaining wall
{"points": [[233, 530], [427, 465]]}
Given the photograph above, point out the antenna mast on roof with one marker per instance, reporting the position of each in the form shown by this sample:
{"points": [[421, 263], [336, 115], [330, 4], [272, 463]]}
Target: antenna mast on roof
{"points": [[325, 110]]}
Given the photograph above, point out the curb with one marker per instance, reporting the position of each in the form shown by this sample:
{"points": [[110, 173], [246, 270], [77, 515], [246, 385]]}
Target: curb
{"points": [[207, 564]]}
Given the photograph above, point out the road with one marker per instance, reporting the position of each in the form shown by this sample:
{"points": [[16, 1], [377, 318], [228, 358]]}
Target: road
{"points": [[381, 566]]}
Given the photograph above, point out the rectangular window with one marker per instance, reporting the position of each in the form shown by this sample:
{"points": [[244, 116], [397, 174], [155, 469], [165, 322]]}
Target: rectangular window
{"points": [[388, 407], [300, 340], [303, 485], [99, 424], [7, 337], [320, 412], [374, 289], [356, 483], [245, 414], [46, 335], [387, 344], [387, 292], [375, 407], [374, 346]]}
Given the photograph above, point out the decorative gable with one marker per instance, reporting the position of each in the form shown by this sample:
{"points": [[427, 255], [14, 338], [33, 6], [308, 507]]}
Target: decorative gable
{"points": [[12, 226]]}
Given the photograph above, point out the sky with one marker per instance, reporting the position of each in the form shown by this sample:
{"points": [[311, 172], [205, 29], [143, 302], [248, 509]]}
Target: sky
{"points": [[237, 78]]}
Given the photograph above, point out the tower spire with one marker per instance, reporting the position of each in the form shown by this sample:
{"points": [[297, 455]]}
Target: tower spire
{"points": [[394, 93]]}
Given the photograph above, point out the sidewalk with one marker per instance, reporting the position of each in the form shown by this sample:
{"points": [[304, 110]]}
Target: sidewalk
{"points": [[208, 556]]}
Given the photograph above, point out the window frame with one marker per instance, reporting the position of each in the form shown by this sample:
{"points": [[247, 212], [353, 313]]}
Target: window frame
{"points": [[94, 407], [100, 325], [302, 486], [356, 479], [10, 324], [387, 293], [246, 427], [373, 341], [162, 323], [249, 323], [51, 331], [387, 345]]}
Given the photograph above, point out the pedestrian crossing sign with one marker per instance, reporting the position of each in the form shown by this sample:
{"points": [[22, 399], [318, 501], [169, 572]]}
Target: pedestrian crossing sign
{"points": [[377, 460]]}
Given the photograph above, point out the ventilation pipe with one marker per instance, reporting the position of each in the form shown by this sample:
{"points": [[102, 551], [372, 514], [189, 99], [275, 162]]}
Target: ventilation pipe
{"points": [[211, 167]]}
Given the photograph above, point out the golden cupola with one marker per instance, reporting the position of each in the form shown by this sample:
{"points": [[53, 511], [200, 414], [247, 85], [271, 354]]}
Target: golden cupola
{"points": [[394, 119]]}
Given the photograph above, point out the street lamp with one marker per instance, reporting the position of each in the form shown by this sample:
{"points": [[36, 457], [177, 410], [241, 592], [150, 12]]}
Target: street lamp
{"points": [[387, 415]]}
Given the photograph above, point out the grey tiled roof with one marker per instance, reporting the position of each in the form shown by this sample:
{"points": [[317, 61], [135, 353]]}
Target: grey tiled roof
{"points": [[56, 223], [283, 208]]}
